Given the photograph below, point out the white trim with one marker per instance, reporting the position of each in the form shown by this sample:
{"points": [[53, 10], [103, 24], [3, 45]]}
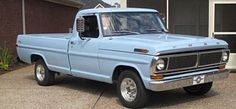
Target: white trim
{"points": [[219, 2], [99, 6], [123, 3], [23, 17], [232, 63], [224, 2], [211, 25], [167, 14], [224, 33]]}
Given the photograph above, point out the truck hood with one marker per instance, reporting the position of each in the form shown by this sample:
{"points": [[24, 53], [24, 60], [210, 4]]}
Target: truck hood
{"points": [[160, 43]]}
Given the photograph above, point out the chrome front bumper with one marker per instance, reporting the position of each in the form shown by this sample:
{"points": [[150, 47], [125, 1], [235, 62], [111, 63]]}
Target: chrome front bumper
{"points": [[187, 80]]}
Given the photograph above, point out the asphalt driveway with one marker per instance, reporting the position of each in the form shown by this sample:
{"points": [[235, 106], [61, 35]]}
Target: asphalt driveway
{"points": [[19, 90]]}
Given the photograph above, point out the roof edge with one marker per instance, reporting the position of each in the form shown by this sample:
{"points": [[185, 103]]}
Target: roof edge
{"points": [[108, 10]]}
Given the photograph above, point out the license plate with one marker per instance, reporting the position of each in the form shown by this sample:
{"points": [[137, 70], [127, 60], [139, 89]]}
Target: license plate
{"points": [[198, 79]]}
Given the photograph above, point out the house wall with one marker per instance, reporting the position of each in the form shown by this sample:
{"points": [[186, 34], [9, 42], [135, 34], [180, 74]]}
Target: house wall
{"points": [[40, 17], [10, 22]]}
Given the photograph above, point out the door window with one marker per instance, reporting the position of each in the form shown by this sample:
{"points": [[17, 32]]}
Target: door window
{"points": [[90, 27]]}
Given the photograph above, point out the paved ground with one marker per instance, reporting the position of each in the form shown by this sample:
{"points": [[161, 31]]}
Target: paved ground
{"points": [[18, 90]]}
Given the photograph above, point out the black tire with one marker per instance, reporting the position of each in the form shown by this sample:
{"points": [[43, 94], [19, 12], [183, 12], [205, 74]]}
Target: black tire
{"points": [[200, 89], [49, 77], [141, 95]]}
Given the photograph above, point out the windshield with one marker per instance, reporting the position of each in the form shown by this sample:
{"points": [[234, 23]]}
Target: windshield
{"points": [[130, 23]]}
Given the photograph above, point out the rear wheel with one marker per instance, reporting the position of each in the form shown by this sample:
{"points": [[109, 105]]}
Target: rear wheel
{"points": [[200, 89], [131, 90], [43, 75]]}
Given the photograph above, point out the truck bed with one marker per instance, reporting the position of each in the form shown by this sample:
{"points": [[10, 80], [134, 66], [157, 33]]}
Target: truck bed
{"points": [[53, 35], [53, 48]]}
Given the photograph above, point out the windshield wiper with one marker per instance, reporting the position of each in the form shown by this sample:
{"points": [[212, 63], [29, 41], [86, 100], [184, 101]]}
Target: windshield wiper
{"points": [[126, 32], [155, 30]]}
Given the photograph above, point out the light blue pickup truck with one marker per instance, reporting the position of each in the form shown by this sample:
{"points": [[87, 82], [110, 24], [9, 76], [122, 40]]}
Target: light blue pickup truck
{"points": [[131, 48]]}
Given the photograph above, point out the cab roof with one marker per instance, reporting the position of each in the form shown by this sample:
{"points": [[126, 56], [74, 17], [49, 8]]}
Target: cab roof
{"points": [[107, 10]]}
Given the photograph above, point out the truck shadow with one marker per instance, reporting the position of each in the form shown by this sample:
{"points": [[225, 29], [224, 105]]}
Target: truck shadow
{"points": [[80, 84], [175, 97], [166, 99], [108, 91]]}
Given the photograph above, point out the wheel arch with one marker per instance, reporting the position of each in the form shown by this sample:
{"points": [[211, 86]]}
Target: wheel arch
{"points": [[122, 67], [36, 56]]}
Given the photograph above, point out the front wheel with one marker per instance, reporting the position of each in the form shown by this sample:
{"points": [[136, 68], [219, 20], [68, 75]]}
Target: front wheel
{"points": [[200, 89], [131, 90]]}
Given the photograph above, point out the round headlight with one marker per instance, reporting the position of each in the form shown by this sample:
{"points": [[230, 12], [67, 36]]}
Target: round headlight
{"points": [[160, 64], [225, 56]]}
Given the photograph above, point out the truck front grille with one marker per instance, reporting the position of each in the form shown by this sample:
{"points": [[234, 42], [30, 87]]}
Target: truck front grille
{"points": [[210, 58], [180, 62], [192, 60]]}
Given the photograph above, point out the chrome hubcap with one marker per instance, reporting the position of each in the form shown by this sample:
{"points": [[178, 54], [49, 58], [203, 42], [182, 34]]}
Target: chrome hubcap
{"points": [[40, 72], [128, 89]]}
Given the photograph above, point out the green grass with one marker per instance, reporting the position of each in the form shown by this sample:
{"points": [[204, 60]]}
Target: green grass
{"points": [[4, 59]]}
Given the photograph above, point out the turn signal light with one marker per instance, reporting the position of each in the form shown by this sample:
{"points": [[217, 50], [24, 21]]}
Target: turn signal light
{"points": [[141, 50], [156, 77], [221, 67]]}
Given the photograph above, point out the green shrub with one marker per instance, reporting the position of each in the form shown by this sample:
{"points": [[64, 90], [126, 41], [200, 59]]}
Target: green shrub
{"points": [[4, 59]]}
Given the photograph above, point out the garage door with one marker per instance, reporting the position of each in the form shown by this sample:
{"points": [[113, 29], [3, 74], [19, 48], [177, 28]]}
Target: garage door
{"points": [[225, 28], [189, 17]]}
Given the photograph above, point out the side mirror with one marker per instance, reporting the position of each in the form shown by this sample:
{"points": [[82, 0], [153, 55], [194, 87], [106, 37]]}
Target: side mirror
{"points": [[80, 22], [162, 17], [163, 20]]}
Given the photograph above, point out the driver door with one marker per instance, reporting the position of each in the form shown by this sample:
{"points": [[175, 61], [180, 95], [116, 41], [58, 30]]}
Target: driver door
{"points": [[83, 52]]}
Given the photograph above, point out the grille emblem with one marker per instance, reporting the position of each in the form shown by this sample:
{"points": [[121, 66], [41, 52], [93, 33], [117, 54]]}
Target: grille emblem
{"points": [[198, 79]]}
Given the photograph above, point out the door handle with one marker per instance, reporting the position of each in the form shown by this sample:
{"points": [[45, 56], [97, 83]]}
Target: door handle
{"points": [[72, 42]]}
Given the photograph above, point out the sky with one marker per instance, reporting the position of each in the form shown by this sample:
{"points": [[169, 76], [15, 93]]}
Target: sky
{"points": [[111, 1]]}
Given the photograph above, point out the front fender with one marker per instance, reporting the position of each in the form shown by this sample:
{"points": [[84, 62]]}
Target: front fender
{"points": [[142, 71]]}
